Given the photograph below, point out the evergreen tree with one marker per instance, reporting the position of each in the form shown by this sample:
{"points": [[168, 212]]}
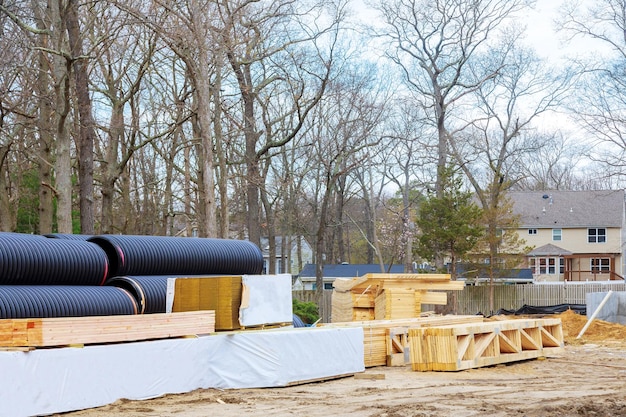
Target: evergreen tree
{"points": [[449, 225]]}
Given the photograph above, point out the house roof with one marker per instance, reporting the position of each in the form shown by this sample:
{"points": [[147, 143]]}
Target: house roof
{"points": [[349, 270], [549, 250], [568, 209], [466, 271]]}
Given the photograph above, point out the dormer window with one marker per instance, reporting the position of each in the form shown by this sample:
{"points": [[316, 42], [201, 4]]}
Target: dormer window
{"points": [[596, 235]]}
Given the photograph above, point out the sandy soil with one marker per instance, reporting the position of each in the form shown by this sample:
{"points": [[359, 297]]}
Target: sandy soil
{"points": [[587, 379]]}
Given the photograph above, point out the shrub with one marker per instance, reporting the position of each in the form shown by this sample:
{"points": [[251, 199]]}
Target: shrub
{"points": [[307, 311]]}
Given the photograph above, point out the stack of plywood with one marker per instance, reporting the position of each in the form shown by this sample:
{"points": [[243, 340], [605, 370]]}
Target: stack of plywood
{"points": [[389, 296], [221, 294], [384, 346], [63, 331], [465, 346]]}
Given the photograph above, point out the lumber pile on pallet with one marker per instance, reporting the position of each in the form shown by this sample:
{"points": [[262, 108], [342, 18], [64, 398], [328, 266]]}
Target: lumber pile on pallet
{"points": [[465, 346], [385, 341], [389, 296], [64, 331]]}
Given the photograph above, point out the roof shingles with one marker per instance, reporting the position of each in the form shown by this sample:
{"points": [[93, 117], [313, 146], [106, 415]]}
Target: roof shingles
{"points": [[565, 209]]}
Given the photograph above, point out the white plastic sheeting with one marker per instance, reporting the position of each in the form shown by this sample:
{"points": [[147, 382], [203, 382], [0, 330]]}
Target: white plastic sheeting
{"points": [[47, 381], [265, 299]]}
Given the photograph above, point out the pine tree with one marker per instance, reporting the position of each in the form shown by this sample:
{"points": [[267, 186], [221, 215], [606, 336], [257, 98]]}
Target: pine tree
{"points": [[449, 225]]}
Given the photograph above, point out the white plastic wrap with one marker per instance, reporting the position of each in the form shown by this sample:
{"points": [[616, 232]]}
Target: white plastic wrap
{"points": [[47, 381], [265, 299]]}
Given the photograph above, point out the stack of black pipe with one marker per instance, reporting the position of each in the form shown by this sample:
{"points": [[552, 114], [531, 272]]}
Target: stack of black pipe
{"points": [[76, 275]]}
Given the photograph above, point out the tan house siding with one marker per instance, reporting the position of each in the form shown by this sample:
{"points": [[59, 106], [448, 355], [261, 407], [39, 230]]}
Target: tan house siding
{"points": [[575, 240]]}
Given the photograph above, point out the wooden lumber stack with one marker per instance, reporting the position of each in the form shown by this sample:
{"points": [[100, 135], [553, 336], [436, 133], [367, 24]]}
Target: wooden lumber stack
{"points": [[465, 346], [376, 334], [63, 331], [397, 304], [221, 294], [389, 296]]}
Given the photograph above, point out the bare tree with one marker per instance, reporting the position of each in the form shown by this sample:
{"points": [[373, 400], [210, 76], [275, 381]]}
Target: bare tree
{"points": [[341, 134], [498, 140], [555, 165], [86, 135], [407, 163], [270, 46], [434, 43], [600, 103], [123, 54]]}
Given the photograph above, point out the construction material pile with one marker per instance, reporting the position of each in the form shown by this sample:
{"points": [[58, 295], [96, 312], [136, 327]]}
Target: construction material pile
{"points": [[71, 276]]}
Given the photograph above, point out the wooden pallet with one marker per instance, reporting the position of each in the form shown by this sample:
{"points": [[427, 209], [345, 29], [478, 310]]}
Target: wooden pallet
{"points": [[73, 331], [376, 333], [466, 346]]}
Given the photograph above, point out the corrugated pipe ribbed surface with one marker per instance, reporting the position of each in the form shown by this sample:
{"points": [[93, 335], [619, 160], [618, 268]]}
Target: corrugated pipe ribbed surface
{"points": [[68, 236], [30, 260], [33, 301], [150, 291], [160, 255]]}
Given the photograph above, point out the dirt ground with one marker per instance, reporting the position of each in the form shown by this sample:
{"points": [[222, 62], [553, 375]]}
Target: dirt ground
{"points": [[588, 379]]}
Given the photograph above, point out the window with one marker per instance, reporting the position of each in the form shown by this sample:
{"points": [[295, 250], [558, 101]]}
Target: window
{"points": [[532, 231], [597, 235], [556, 234], [543, 266], [600, 264]]}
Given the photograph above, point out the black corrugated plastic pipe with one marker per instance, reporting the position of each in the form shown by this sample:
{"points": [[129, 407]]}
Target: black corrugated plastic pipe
{"points": [[150, 291], [39, 261], [68, 236], [41, 301], [160, 255]]}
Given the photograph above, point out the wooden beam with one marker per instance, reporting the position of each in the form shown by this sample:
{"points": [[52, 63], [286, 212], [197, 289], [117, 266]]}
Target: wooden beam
{"points": [[65, 331]]}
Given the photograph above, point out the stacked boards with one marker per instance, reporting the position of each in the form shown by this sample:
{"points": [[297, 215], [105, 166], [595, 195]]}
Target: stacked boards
{"points": [[389, 296], [221, 294], [72, 331], [385, 342]]}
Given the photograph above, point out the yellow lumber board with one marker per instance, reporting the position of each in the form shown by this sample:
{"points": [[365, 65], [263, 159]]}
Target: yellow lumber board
{"points": [[363, 300], [222, 294], [406, 284], [435, 298], [107, 329]]}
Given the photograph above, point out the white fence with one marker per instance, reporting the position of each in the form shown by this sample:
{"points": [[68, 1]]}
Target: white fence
{"points": [[475, 299]]}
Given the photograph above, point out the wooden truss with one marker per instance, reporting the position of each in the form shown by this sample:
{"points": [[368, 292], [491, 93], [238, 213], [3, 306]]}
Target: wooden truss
{"points": [[465, 346]]}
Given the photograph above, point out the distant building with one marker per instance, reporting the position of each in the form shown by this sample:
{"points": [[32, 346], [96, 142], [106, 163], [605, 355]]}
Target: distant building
{"points": [[576, 235], [306, 279], [287, 263]]}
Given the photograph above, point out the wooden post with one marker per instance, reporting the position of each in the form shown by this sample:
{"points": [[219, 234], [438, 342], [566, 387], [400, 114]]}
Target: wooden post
{"points": [[595, 313]]}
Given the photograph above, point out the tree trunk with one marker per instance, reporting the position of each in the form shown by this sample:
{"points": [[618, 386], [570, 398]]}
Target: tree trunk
{"points": [[87, 133], [7, 213], [63, 162], [45, 129]]}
